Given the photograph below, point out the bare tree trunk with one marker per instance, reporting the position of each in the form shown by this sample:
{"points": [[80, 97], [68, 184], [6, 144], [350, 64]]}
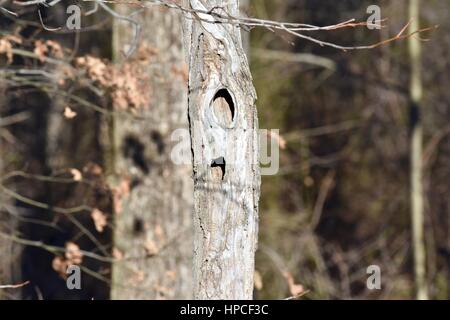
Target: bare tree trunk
{"points": [[417, 201], [224, 141], [14, 152], [155, 221], [6, 255], [4, 242], [7, 225]]}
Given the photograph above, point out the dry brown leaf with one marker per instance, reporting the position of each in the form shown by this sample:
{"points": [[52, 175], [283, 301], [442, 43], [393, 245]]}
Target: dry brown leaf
{"points": [[159, 232], [6, 49], [73, 253], [96, 69], [6, 46], [278, 138], [76, 174], [69, 113], [40, 49], [258, 280], [137, 277], [294, 288], [128, 82], [59, 264], [125, 187], [55, 49], [119, 192], [182, 71], [45, 48], [145, 52], [100, 220], [93, 168], [117, 202], [172, 275], [151, 248], [117, 254]]}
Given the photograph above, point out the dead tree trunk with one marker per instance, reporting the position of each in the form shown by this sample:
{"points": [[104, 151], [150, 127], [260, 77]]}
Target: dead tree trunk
{"points": [[417, 193], [154, 222], [224, 141]]}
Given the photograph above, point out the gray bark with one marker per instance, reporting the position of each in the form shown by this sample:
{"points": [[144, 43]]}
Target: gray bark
{"points": [[224, 141], [155, 222]]}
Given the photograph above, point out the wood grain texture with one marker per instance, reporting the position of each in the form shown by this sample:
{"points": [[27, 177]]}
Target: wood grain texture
{"points": [[223, 124]]}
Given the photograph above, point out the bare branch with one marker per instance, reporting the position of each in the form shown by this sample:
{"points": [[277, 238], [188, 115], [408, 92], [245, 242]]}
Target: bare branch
{"points": [[14, 286], [220, 15]]}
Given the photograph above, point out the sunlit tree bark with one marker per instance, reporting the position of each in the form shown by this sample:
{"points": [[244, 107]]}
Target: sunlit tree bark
{"points": [[417, 194], [223, 124]]}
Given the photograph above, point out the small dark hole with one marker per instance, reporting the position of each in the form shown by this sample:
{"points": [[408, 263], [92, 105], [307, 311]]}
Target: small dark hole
{"points": [[158, 139], [135, 182], [133, 149], [138, 226], [218, 169], [223, 108]]}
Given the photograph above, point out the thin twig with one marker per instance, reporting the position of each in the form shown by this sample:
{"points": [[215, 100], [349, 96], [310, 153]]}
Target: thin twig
{"points": [[14, 286]]}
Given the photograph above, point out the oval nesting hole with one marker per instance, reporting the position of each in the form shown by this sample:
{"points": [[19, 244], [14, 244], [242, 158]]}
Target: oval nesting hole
{"points": [[223, 108]]}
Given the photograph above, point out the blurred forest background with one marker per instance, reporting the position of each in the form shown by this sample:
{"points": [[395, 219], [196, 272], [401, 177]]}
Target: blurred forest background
{"points": [[86, 176]]}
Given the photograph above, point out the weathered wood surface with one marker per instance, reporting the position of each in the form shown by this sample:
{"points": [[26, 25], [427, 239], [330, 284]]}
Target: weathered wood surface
{"points": [[223, 124]]}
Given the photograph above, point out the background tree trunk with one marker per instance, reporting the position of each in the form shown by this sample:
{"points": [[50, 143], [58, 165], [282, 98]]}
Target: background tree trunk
{"points": [[417, 201], [155, 221], [22, 145], [9, 257], [64, 144], [244, 8], [223, 124]]}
